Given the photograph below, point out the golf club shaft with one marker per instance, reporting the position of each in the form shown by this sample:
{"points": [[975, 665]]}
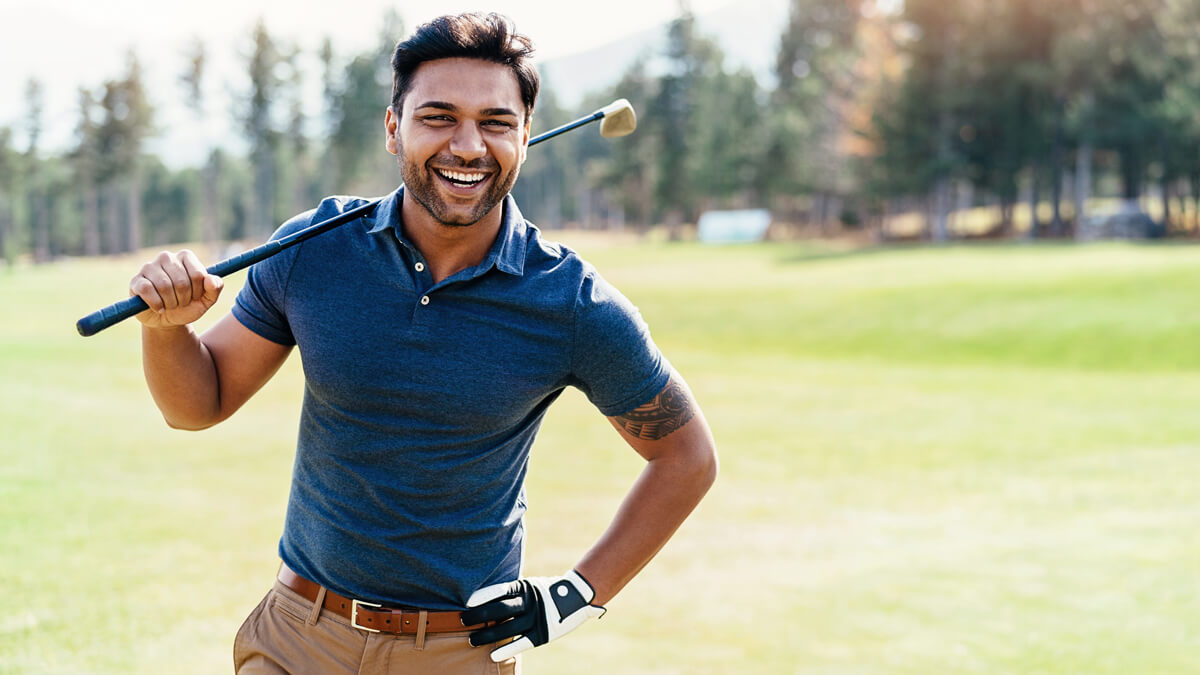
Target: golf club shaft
{"points": [[123, 309], [565, 128]]}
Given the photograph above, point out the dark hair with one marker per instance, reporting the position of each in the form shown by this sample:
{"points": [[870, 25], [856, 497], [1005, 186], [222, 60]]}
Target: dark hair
{"points": [[490, 37]]}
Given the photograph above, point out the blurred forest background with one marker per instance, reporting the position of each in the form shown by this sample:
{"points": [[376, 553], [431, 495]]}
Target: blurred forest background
{"points": [[923, 119]]}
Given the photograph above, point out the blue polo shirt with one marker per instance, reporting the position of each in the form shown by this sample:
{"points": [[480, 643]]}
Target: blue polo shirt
{"points": [[421, 400]]}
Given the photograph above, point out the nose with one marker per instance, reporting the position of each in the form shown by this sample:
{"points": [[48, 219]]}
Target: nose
{"points": [[467, 143]]}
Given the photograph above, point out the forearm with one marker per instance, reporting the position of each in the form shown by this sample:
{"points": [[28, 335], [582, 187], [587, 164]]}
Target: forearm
{"points": [[666, 492], [182, 376]]}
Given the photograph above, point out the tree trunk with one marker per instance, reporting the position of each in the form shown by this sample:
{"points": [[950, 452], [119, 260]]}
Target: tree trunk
{"points": [[1181, 202], [1006, 214], [210, 224], [1056, 171], [91, 218], [1165, 197], [674, 218], [1194, 184], [5, 228], [941, 210], [1035, 196], [1130, 161], [1083, 186], [40, 224], [264, 194], [1165, 185], [133, 198], [112, 219]]}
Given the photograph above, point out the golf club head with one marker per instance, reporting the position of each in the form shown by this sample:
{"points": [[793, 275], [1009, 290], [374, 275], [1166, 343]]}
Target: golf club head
{"points": [[619, 119]]}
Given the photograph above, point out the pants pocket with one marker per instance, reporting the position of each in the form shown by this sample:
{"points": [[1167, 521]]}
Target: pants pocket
{"points": [[288, 608], [247, 632]]}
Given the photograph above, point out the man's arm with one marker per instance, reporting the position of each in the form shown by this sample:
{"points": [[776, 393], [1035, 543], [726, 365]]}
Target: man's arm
{"points": [[197, 380], [681, 464], [670, 432]]}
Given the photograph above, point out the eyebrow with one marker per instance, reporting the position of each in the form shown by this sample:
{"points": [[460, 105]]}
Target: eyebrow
{"points": [[487, 112]]}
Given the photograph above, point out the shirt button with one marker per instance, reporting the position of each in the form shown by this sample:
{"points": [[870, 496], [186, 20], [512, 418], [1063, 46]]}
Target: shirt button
{"points": [[420, 267], [424, 299]]}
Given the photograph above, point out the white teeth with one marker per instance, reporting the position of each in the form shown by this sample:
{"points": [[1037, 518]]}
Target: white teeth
{"points": [[461, 177]]}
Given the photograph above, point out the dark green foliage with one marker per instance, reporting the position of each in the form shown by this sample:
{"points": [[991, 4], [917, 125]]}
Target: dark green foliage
{"points": [[1010, 103]]}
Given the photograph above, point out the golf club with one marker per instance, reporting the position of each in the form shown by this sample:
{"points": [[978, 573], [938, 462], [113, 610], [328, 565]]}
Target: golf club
{"points": [[618, 119]]}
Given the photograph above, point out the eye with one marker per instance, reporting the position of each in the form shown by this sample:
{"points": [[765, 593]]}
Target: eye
{"points": [[499, 125], [437, 120]]}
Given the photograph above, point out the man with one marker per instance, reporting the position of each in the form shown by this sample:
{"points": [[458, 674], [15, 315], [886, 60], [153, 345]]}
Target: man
{"points": [[434, 335]]}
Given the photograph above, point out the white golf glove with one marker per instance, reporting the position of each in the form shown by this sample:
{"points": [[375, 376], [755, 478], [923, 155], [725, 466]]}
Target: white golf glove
{"points": [[534, 610]]}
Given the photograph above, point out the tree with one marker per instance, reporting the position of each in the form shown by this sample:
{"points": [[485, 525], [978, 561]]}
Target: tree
{"points": [[138, 125], [1180, 25], [356, 110], [86, 161], [806, 122], [35, 188], [297, 172], [330, 92], [542, 188], [9, 174], [167, 201], [127, 120], [626, 167], [260, 128], [914, 124], [192, 80], [725, 168], [689, 59]]}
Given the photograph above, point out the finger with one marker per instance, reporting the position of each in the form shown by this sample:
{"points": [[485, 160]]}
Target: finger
{"points": [[511, 649], [496, 610], [160, 280], [181, 280], [195, 271], [145, 289], [489, 593], [521, 625], [213, 286], [486, 636], [163, 272]]}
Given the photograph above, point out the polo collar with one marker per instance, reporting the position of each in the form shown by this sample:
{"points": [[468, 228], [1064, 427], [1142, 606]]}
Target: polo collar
{"points": [[507, 254]]}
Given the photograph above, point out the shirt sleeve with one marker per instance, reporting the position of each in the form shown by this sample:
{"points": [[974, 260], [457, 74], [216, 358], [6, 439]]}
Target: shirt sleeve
{"points": [[260, 306], [614, 360]]}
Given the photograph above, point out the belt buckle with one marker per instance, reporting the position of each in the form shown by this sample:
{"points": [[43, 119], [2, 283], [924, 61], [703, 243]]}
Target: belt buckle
{"points": [[354, 605]]}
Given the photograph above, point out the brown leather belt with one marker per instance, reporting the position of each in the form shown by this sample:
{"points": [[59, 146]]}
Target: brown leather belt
{"points": [[371, 617]]}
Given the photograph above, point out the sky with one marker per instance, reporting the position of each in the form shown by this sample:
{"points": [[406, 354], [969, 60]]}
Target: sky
{"points": [[68, 44]]}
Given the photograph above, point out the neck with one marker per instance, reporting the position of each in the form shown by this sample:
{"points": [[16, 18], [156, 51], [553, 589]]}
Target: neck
{"points": [[449, 249]]}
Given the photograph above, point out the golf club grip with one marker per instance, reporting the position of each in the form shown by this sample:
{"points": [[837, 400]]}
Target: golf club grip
{"points": [[123, 309], [113, 314], [245, 259]]}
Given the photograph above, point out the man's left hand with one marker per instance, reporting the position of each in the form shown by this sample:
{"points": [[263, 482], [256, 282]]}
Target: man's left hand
{"points": [[534, 610]]}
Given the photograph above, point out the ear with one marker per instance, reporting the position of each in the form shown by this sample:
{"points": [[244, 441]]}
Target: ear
{"points": [[525, 139], [391, 122]]}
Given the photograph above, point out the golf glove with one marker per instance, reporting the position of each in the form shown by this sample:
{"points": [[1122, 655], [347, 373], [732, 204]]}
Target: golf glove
{"points": [[534, 610]]}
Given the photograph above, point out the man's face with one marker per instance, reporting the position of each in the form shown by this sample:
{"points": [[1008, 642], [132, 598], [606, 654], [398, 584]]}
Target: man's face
{"points": [[460, 138]]}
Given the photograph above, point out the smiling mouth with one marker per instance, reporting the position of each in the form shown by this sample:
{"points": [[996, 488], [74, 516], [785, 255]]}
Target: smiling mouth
{"points": [[464, 179]]}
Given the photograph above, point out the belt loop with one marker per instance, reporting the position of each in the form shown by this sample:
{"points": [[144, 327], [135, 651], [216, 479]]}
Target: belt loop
{"points": [[318, 604], [422, 622]]}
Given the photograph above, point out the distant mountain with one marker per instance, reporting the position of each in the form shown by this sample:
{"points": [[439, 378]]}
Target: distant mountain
{"points": [[747, 32]]}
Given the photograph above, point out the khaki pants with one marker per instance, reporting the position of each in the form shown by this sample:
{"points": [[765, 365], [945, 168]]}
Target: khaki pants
{"points": [[288, 634]]}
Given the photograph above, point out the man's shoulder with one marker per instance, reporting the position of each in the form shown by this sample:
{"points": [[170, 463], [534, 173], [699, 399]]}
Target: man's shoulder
{"points": [[546, 256], [328, 207]]}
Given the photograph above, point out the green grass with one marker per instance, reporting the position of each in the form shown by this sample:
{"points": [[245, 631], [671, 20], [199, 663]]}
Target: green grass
{"points": [[961, 459]]}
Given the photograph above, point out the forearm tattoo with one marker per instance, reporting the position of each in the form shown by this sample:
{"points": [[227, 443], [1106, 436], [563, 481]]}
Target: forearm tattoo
{"points": [[670, 410]]}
